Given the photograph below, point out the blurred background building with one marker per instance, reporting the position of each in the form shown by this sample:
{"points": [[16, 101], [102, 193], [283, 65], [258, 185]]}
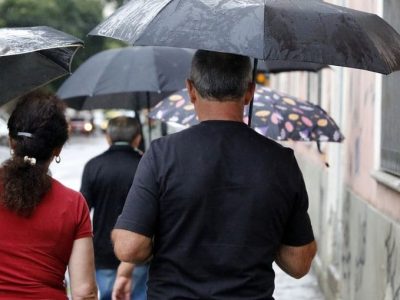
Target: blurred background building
{"points": [[355, 203]]}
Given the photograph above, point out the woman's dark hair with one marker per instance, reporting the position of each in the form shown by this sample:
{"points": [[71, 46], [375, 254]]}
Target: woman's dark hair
{"points": [[37, 127]]}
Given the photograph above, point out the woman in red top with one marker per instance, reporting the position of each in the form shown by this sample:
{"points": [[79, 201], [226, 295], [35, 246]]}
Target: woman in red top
{"points": [[44, 226]]}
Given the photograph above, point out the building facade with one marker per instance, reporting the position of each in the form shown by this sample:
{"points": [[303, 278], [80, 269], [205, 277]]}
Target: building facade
{"points": [[355, 202]]}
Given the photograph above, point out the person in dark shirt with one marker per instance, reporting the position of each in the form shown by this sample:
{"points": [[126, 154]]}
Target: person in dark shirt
{"points": [[105, 184], [215, 205]]}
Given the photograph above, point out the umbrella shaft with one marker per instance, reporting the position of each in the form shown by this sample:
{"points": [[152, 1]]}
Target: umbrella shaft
{"points": [[254, 81], [148, 117]]}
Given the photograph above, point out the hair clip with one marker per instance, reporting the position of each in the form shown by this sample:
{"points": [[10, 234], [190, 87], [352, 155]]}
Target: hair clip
{"points": [[27, 134], [30, 160]]}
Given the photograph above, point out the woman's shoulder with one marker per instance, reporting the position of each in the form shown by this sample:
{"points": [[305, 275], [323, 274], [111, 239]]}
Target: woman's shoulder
{"points": [[60, 190]]}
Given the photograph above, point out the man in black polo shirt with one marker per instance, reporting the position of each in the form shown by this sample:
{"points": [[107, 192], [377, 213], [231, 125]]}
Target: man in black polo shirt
{"points": [[105, 184], [216, 204]]}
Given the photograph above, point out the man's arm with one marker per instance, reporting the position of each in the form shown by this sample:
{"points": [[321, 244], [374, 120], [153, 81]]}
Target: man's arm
{"points": [[123, 282], [296, 261], [131, 247]]}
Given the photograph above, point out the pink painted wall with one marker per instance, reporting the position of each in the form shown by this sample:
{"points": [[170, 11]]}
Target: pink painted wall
{"points": [[360, 133], [360, 97], [360, 117]]}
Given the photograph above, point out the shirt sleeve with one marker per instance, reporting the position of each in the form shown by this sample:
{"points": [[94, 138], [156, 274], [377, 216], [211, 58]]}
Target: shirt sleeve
{"points": [[140, 211], [298, 231], [86, 186], [83, 224]]}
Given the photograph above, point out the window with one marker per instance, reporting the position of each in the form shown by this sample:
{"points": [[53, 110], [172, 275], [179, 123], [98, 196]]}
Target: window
{"points": [[314, 87]]}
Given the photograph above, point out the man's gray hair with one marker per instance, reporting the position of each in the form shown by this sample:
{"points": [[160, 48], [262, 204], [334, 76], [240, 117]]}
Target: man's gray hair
{"points": [[220, 76], [123, 129]]}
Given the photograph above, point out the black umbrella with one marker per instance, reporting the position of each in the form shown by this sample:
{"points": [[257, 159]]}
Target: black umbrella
{"points": [[278, 66], [285, 30], [130, 78], [123, 78], [31, 57]]}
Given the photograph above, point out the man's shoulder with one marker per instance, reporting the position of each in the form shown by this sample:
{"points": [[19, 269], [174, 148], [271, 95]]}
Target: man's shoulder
{"points": [[278, 150], [96, 158], [60, 189], [174, 137], [110, 154], [192, 132], [272, 144]]}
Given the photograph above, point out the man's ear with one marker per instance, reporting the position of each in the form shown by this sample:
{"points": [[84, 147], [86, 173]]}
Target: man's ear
{"points": [[136, 141], [108, 139], [191, 91], [248, 96], [11, 143]]}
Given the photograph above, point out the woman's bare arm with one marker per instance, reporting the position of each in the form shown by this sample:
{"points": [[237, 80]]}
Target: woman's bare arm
{"points": [[81, 270]]}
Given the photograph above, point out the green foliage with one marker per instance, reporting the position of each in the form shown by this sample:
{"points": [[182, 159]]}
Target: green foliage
{"points": [[118, 3], [75, 17]]}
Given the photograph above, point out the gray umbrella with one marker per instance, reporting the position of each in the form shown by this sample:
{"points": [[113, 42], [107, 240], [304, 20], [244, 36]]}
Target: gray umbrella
{"points": [[289, 30], [31, 57], [131, 78]]}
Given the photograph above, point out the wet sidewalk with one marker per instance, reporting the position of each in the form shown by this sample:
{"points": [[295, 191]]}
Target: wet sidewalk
{"points": [[288, 288]]}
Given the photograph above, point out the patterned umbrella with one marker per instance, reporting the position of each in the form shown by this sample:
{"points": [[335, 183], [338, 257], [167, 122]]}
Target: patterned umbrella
{"points": [[276, 115]]}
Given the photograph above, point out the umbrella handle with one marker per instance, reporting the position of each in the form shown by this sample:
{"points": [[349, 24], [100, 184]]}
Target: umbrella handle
{"points": [[322, 153], [148, 117], [250, 114]]}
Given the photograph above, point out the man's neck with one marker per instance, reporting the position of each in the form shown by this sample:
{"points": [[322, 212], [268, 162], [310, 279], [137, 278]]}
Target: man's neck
{"points": [[223, 111], [121, 143]]}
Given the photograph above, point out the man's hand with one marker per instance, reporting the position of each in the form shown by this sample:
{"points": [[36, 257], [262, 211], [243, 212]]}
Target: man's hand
{"points": [[122, 288], [123, 282]]}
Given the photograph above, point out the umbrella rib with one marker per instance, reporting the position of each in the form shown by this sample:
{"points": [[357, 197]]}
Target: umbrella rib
{"points": [[263, 24], [53, 62], [77, 45], [39, 86], [381, 61], [106, 65], [152, 20], [93, 92], [71, 59], [153, 57]]}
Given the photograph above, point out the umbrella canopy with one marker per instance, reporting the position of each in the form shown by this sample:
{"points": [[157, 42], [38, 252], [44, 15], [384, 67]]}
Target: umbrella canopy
{"points": [[129, 78], [31, 57], [278, 66], [290, 30], [276, 115]]}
